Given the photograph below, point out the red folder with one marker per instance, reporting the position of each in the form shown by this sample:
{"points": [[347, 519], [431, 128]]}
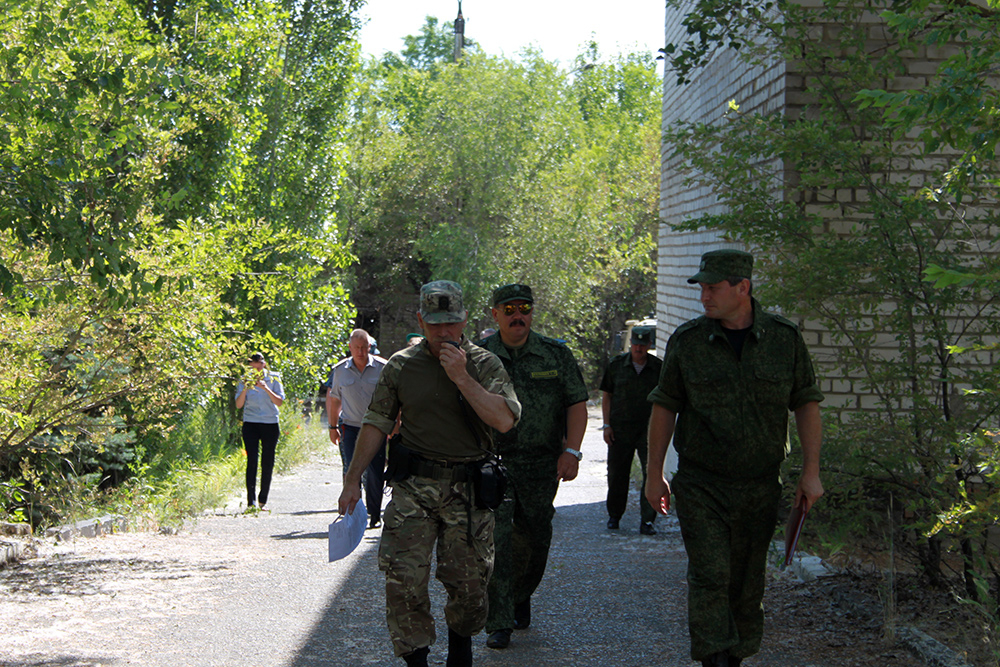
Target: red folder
{"points": [[793, 529]]}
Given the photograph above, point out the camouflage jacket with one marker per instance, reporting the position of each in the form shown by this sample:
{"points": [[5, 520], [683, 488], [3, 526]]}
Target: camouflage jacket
{"points": [[732, 414], [414, 385], [630, 410], [547, 381]]}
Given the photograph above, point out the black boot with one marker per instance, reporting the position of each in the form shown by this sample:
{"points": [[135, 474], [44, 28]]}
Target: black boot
{"points": [[417, 658], [459, 650], [499, 638], [720, 659]]}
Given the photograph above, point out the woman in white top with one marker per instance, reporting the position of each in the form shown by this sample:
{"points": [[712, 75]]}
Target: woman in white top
{"points": [[260, 396]]}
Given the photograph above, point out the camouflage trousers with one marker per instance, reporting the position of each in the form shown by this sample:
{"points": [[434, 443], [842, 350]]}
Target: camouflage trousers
{"points": [[423, 513], [727, 526], [523, 536]]}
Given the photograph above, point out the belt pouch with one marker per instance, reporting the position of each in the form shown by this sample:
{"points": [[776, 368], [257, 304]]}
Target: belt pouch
{"points": [[489, 480], [398, 462]]}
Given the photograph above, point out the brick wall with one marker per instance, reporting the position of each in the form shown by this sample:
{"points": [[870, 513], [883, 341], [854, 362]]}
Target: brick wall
{"points": [[772, 88], [705, 99]]}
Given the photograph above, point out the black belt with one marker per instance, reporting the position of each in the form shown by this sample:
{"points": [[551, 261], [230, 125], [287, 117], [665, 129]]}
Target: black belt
{"points": [[443, 471]]}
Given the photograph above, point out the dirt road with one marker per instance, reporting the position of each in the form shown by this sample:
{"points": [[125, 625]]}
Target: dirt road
{"points": [[236, 590]]}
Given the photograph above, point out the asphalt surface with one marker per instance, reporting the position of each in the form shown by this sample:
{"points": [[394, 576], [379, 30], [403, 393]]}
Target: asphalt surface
{"points": [[233, 589]]}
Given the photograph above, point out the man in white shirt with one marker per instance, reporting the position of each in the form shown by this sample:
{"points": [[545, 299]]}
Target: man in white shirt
{"points": [[352, 383]]}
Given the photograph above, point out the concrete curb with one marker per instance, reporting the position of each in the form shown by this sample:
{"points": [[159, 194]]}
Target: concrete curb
{"points": [[15, 549], [810, 568], [105, 525], [930, 650], [10, 552]]}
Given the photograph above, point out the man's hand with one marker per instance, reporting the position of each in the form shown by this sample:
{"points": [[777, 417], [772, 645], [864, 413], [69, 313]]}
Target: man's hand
{"points": [[349, 498], [567, 467], [658, 493], [809, 487], [452, 360], [335, 435], [609, 436]]}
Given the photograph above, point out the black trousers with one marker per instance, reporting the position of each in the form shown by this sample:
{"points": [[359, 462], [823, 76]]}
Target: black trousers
{"points": [[620, 457], [262, 438]]}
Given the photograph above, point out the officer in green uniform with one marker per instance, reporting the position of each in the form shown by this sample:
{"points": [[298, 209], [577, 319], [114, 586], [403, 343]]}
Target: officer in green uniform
{"points": [[450, 395], [627, 381], [543, 449], [728, 381]]}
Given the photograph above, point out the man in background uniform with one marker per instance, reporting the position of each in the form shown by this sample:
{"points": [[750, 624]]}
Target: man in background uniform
{"points": [[541, 451], [728, 381], [451, 395], [627, 382]]}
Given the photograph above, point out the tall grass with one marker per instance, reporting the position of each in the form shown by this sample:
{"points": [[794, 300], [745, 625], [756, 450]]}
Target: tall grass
{"points": [[189, 490], [197, 468]]}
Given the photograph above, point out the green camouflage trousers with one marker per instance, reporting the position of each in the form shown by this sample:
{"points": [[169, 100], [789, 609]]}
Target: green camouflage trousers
{"points": [[523, 535], [424, 512], [727, 528]]}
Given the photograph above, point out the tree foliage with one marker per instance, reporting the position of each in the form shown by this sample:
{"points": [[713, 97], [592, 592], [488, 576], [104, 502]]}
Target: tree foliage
{"points": [[168, 174], [880, 187], [434, 45], [497, 170]]}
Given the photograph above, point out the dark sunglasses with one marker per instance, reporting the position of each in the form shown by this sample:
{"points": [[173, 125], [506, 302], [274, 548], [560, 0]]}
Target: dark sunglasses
{"points": [[525, 308]]}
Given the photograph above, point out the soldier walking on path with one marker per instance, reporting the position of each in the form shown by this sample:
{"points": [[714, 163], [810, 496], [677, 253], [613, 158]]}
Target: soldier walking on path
{"points": [[728, 381], [541, 451], [627, 382], [449, 394]]}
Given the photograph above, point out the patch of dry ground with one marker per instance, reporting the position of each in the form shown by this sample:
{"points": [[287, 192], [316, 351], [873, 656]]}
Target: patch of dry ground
{"points": [[841, 620]]}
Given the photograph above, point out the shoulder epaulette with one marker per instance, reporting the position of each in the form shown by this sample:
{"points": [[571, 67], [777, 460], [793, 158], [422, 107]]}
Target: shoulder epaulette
{"points": [[557, 342], [784, 320], [690, 324]]}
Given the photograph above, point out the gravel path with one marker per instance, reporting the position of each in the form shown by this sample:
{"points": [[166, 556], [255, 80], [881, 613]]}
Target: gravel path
{"points": [[233, 589]]}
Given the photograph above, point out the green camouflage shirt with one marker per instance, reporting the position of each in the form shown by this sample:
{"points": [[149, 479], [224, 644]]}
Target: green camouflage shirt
{"points": [[733, 414], [434, 423], [547, 381], [630, 410]]}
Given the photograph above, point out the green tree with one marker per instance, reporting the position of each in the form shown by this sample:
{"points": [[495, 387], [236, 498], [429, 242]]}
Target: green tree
{"points": [[499, 170], [84, 132], [434, 45], [169, 172]]}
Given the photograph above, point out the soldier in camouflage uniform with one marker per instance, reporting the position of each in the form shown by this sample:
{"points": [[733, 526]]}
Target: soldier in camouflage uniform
{"points": [[541, 451], [627, 381], [729, 380], [450, 395]]}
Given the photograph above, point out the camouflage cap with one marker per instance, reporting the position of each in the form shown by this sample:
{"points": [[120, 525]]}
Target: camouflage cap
{"points": [[719, 265], [643, 335], [513, 292], [441, 302]]}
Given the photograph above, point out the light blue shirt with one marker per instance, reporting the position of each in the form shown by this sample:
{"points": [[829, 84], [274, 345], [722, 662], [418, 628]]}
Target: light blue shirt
{"points": [[355, 388], [258, 407]]}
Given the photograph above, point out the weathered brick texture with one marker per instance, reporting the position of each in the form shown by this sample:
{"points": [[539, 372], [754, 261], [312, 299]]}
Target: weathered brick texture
{"points": [[771, 88]]}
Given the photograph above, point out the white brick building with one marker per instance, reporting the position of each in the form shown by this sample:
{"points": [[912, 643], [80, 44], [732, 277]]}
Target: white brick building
{"points": [[768, 88]]}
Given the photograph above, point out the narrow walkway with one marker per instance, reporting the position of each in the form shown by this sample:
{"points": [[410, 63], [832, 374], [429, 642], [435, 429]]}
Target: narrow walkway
{"points": [[234, 590]]}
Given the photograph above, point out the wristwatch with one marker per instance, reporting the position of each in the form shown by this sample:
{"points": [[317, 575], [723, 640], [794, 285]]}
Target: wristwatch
{"points": [[575, 452]]}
